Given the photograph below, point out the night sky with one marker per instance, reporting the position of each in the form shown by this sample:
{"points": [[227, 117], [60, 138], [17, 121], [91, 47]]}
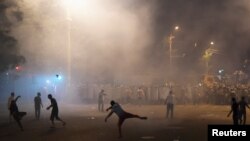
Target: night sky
{"points": [[225, 22]]}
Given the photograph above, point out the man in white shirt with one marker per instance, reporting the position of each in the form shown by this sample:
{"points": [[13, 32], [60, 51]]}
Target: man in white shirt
{"points": [[101, 100], [123, 115], [170, 104]]}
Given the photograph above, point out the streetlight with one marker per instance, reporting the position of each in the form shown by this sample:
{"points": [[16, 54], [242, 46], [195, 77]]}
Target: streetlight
{"points": [[170, 38], [208, 54], [70, 5]]}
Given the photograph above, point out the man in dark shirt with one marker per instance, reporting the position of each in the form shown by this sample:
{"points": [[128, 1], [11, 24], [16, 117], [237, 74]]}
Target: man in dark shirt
{"points": [[54, 112], [235, 111], [15, 112], [38, 105], [243, 104]]}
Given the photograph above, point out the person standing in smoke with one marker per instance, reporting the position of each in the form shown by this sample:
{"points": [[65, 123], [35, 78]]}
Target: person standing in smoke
{"points": [[243, 114], [38, 105], [170, 104], [54, 112], [141, 95], [235, 111], [101, 101], [15, 112], [122, 115]]}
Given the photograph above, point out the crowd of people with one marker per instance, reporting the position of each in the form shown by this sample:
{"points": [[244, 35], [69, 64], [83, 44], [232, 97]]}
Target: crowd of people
{"points": [[217, 93]]}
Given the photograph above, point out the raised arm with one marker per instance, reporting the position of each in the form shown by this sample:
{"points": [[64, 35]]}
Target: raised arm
{"points": [[17, 98]]}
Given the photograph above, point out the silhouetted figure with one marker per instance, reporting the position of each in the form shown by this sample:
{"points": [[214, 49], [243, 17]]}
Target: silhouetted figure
{"points": [[10, 99], [243, 104], [54, 112], [170, 104], [15, 112], [101, 100], [38, 105], [235, 111], [123, 115]]}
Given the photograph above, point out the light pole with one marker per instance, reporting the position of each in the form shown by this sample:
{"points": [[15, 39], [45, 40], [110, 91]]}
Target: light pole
{"points": [[170, 38], [69, 20], [208, 54], [72, 7]]}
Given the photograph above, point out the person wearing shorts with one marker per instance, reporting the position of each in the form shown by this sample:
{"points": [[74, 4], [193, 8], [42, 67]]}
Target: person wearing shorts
{"points": [[54, 112]]}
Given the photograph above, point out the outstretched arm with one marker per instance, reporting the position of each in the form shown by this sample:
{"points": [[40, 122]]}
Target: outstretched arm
{"points": [[108, 116], [108, 108], [247, 106]]}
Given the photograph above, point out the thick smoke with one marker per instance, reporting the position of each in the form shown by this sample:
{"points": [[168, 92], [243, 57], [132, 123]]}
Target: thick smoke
{"points": [[10, 15], [109, 39], [126, 40]]}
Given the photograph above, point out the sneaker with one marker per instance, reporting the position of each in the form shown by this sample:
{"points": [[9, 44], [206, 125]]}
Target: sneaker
{"points": [[144, 118]]}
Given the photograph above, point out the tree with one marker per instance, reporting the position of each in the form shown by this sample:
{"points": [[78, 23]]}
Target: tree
{"points": [[9, 50]]}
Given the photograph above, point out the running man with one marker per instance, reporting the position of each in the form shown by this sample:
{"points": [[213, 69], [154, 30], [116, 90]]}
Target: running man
{"points": [[38, 105], [54, 112], [122, 115]]}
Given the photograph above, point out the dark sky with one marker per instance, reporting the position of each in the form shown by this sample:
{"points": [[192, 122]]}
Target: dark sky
{"points": [[226, 22]]}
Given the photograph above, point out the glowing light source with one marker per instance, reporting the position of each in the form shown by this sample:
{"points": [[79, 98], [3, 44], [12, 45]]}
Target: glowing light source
{"points": [[59, 77], [176, 27], [73, 4], [17, 68], [221, 71], [48, 81], [212, 43]]}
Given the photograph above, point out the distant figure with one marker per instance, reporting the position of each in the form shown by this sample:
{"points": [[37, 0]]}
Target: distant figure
{"points": [[101, 101], [122, 115], [243, 104], [15, 112], [235, 111], [10, 99], [141, 95], [54, 112], [170, 104], [38, 105]]}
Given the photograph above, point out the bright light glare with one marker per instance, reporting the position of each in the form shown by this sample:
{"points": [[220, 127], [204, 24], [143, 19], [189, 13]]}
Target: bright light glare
{"points": [[211, 43], [176, 27], [79, 8], [73, 4], [48, 81]]}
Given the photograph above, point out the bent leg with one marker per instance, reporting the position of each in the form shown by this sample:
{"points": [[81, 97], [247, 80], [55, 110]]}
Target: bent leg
{"points": [[17, 119]]}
